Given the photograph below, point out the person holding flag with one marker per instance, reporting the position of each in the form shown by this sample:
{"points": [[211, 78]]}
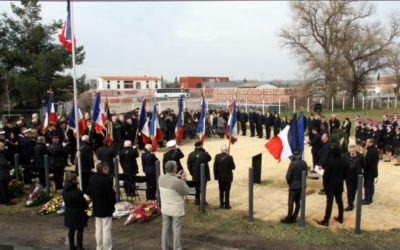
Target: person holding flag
{"points": [[143, 133], [155, 130], [50, 116], [231, 128], [179, 130], [201, 128]]}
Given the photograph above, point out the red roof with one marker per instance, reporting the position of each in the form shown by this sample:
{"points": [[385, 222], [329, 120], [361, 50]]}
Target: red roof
{"points": [[130, 78]]}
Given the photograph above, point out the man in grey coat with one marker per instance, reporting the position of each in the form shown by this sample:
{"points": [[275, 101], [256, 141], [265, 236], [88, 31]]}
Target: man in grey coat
{"points": [[172, 189]]}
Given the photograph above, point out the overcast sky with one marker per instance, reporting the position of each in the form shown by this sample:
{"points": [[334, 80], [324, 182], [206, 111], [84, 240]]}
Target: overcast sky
{"points": [[235, 39]]}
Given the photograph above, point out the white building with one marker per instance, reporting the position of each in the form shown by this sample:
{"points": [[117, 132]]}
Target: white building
{"points": [[128, 82]]}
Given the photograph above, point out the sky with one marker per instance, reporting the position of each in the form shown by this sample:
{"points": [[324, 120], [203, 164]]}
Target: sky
{"points": [[235, 39]]}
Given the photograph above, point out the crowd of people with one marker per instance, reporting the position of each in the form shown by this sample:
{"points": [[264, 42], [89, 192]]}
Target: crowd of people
{"points": [[31, 142]]}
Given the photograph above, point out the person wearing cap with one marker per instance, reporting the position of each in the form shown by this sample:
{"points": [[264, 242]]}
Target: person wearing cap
{"points": [[293, 179], [397, 146], [106, 154], [149, 168], [370, 171], [173, 154], [354, 167], [75, 217], [195, 159], [223, 173], [25, 154], [87, 163], [333, 179], [334, 123], [127, 157], [57, 161], [388, 141], [5, 168]]}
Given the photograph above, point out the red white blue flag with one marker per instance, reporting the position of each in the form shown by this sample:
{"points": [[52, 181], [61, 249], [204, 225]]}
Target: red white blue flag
{"points": [[231, 127], [72, 123], [98, 116], [201, 128], [179, 123], [51, 117], [65, 36], [155, 130], [143, 123]]}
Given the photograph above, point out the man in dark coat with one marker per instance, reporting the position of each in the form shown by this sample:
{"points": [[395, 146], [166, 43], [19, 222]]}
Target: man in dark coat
{"points": [[106, 155], [103, 198], [259, 123], [370, 171], [316, 144], [87, 162], [5, 168], [268, 122], [75, 217], [324, 154], [244, 118], [127, 157], [333, 124], [57, 161], [354, 166], [39, 151], [25, 154], [195, 159], [333, 178], [173, 154], [223, 167], [252, 122], [293, 179]]}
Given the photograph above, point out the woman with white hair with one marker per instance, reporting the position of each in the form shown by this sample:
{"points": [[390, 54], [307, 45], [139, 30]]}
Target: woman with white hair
{"points": [[149, 168], [223, 172]]}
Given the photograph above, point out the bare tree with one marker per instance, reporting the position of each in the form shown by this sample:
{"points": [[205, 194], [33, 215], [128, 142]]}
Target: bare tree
{"points": [[394, 66]]}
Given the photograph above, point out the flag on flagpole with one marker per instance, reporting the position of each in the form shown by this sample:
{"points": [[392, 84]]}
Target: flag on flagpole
{"points": [[143, 124], [293, 135], [65, 36], [155, 130], [300, 128], [107, 120], [98, 114], [179, 130], [279, 146], [231, 127], [51, 117], [201, 128], [72, 123]]}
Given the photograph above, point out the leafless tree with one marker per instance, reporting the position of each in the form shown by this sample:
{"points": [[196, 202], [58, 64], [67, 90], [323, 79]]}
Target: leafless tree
{"points": [[394, 66]]}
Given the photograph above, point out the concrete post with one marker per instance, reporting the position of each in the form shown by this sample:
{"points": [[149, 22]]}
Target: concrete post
{"points": [[303, 199], [251, 207], [359, 204]]}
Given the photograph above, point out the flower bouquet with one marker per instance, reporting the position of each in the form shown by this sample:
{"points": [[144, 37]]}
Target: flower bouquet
{"points": [[89, 211], [122, 209], [15, 188], [52, 206], [37, 196], [61, 211], [144, 212]]}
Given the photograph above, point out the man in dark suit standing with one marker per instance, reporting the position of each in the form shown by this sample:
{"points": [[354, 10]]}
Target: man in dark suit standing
{"points": [[370, 171], [354, 166], [259, 124], [333, 178], [293, 179], [173, 154], [4, 176], [106, 155], [127, 157], [39, 151], [316, 144], [324, 154], [333, 124], [57, 161], [252, 122], [223, 167], [244, 118], [87, 163]]}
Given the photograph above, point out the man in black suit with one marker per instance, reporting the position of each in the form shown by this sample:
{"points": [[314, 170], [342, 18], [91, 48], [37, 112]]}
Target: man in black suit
{"points": [[293, 179], [4, 176], [39, 151], [370, 171], [354, 166], [333, 124], [106, 155], [252, 122], [333, 178], [259, 124], [87, 162], [244, 118], [223, 167], [57, 161], [173, 154], [324, 154], [316, 144], [127, 157]]}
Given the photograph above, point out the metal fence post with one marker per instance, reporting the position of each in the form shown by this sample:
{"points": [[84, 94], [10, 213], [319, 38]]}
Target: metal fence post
{"points": [[16, 165], [46, 173], [359, 204], [116, 177], [202, 188], [157, 176], [251, 208], [303, 199]]}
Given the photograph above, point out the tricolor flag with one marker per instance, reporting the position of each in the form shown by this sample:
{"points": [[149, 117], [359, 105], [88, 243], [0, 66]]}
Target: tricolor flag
{"points": [[301, 125], [65, 36], [201, 128], [155, 130], [98, 114], [72, 123], [279, 146], [179, 123], [293, 135], [231, 127], [143, 123], [51, 117]]}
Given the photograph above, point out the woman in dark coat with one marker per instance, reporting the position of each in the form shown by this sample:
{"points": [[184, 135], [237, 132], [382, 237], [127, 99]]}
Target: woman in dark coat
{"points": [[75, 218]]}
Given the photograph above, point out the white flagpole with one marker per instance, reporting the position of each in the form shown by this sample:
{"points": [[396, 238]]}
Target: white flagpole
{"points": [[78, 153]]}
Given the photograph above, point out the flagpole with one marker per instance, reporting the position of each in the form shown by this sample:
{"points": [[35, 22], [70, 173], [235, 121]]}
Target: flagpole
{"points": [[230, 134], [78, 153]]}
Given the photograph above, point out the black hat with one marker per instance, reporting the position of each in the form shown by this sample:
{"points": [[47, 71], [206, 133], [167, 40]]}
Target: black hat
{"points": [[198, 144]]}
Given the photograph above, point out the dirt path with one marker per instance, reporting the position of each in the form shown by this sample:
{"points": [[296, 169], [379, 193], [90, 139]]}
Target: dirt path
{"points": [[31, 231]]}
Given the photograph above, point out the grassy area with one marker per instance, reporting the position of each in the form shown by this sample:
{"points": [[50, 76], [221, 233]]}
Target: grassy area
{"points": [[310, 236]]}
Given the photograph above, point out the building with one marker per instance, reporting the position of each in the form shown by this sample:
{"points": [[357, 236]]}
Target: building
{"points": [[92, 83], [188, 82], [128, 82], [237, 84]]}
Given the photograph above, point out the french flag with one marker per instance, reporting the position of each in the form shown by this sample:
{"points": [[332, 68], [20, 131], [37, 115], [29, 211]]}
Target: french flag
{"points": [[98, 115], [143, 123], [201, 128], [231, 127], [81, 123], [51, 117], [155, 130], [179, 130], [65, 36]]}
